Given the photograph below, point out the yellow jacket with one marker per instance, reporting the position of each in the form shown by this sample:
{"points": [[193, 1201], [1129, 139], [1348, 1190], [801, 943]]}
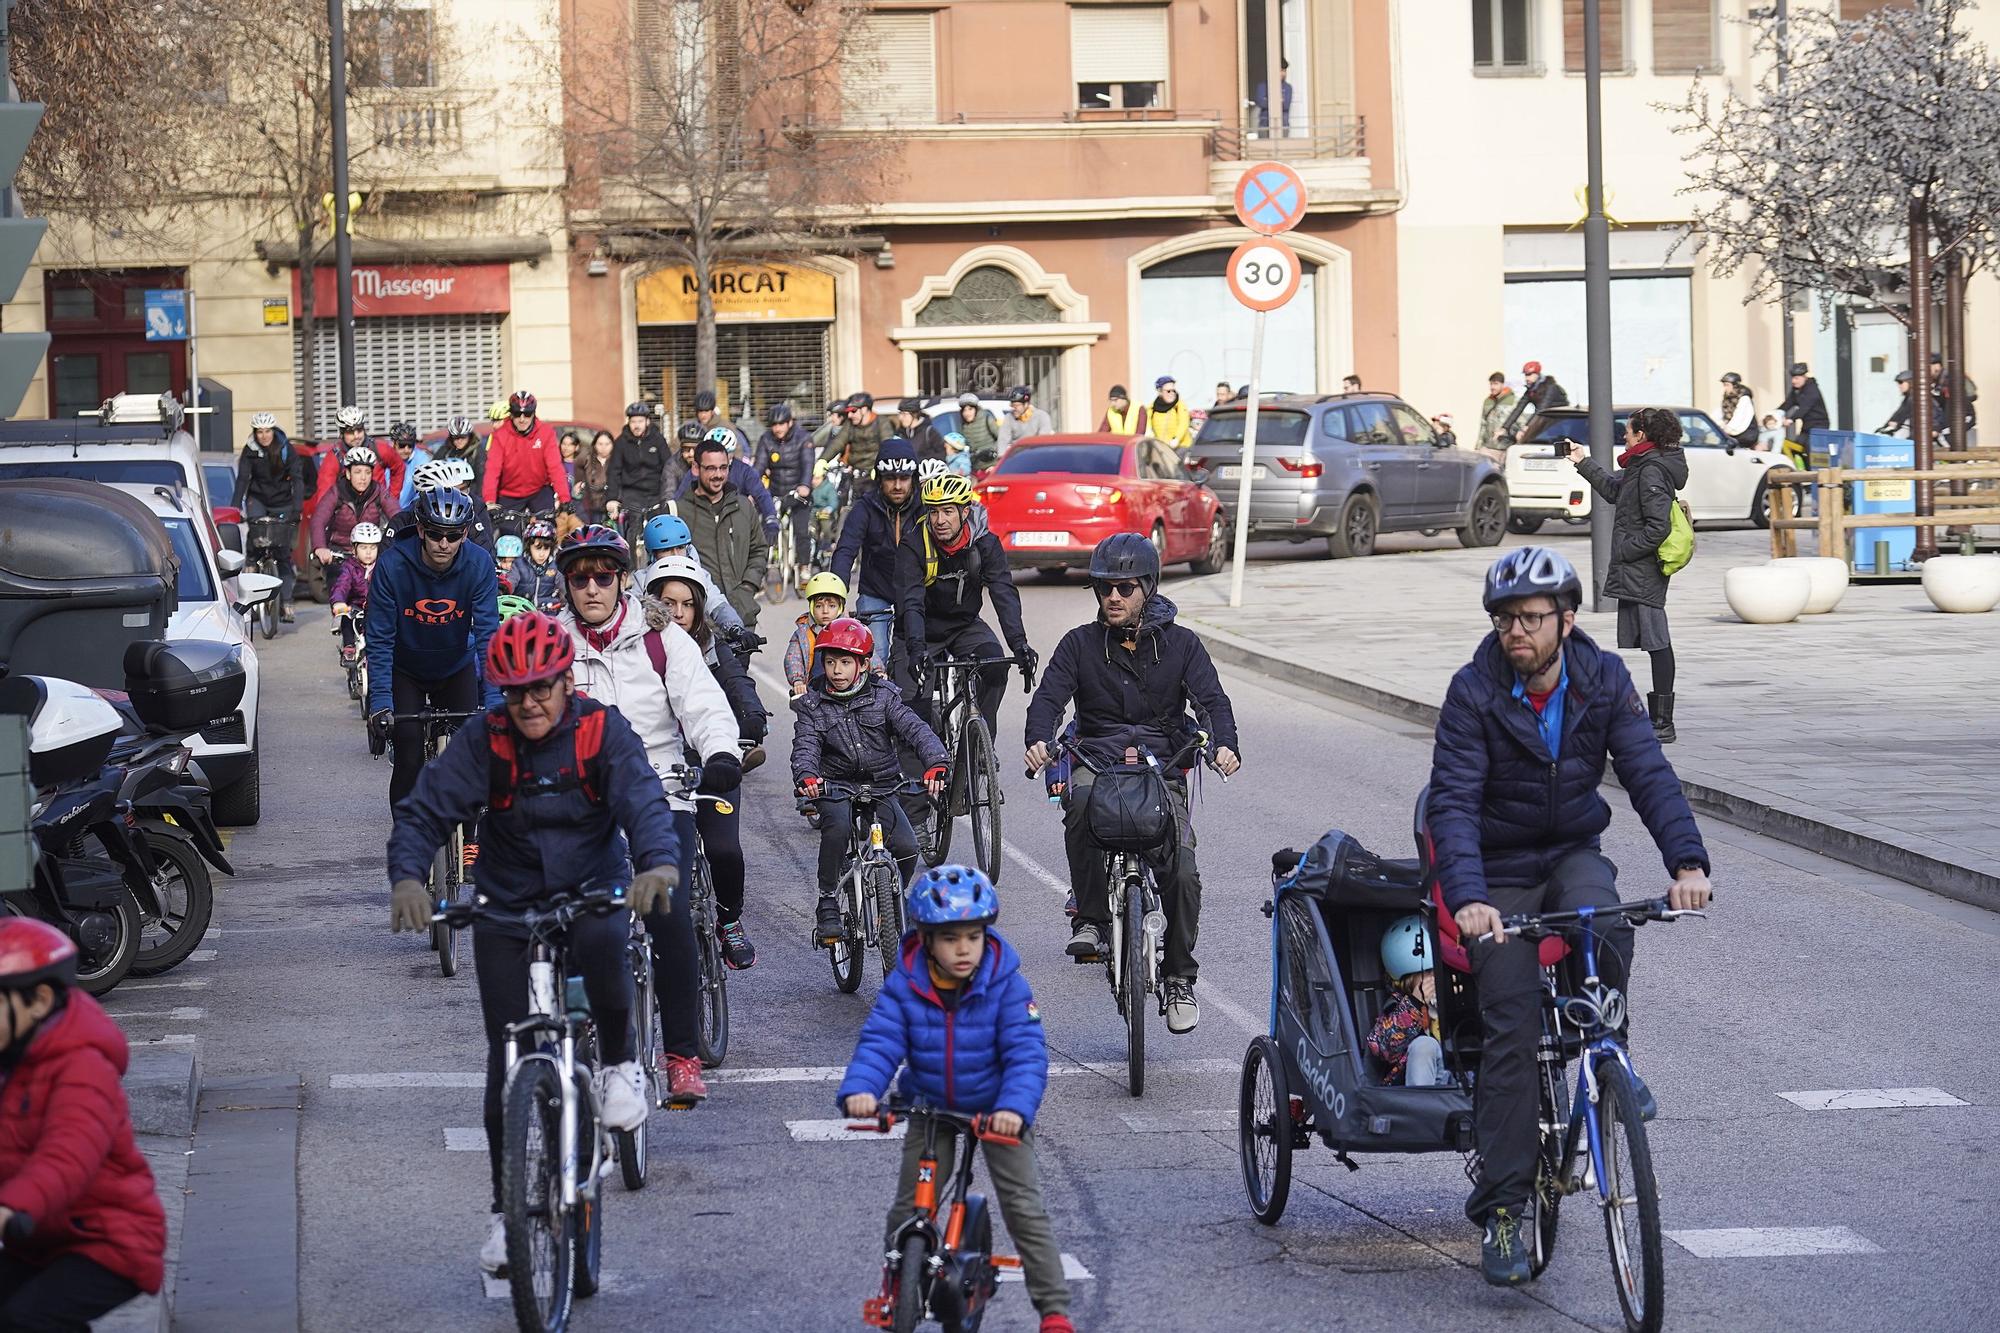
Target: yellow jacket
{"points": [[1172, 427], [1132, 421]]}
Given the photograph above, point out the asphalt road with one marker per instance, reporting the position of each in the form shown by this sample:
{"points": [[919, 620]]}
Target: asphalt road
{"points": [[1810, 976]]}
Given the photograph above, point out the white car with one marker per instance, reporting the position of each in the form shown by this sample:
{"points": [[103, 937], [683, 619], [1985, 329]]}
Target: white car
{"points": [[127, 455], [1726, 481]]}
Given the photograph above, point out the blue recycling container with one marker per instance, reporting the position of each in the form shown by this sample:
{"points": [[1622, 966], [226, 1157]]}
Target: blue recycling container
{"points": [[1860, 450]]}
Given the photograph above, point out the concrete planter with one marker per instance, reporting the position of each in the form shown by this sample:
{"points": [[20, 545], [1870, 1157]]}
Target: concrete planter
{"points": [[1829, 580], [1963, 584], [1767, 594]]}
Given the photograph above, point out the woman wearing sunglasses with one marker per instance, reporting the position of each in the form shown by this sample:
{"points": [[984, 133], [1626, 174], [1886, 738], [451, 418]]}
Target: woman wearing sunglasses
{"points": [[433, 605]]}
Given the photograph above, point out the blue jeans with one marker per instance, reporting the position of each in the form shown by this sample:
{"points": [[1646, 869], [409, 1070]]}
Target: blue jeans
{"points": [[880, 617], [1423, 1064]]}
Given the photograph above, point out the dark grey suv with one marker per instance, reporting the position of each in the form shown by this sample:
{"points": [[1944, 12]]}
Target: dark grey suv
{"points": [[1344, 467]]}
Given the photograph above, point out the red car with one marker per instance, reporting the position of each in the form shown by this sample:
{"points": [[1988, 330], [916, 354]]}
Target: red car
{"points": [[1052, 498]]}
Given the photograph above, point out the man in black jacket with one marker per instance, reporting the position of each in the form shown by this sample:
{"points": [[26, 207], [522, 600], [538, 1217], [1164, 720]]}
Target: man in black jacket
{"points": [[784, 460], [1539, 394], [1803, 412], [880, 518], [915, 426], [1133, 674], [632, 477], [271, 482]]}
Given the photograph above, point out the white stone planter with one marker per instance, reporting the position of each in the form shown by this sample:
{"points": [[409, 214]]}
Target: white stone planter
{"points": [[1829, 580], [1767, 594], [1963, 584]]}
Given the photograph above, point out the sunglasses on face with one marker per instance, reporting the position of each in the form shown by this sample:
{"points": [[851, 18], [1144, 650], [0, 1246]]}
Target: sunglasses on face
{"points": [[448, 537], [1530, 621], [1123, 587], [538, 691], [607, 579]]}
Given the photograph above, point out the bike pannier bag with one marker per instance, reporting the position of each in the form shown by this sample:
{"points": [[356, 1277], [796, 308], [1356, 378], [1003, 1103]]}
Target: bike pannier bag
{"points": [[1129, 810]]}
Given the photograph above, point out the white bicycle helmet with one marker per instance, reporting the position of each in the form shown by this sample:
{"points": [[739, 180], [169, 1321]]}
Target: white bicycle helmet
{"points": [[350, 418], [264, 421], [359, 456], [930, 467], [458, 471], [366, 533], [434, 475]]}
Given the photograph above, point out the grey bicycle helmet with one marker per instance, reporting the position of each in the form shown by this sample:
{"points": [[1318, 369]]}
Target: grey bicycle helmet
{"points": [[446, 507], [1533, 571]]}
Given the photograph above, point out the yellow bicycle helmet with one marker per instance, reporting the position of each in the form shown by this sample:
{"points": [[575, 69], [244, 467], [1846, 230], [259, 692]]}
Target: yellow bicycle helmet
{"points": [[950, 489], [826, 584]]}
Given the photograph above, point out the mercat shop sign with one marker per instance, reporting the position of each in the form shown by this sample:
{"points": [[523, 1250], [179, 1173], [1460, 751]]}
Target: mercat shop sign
{"points": [[742, 292]]}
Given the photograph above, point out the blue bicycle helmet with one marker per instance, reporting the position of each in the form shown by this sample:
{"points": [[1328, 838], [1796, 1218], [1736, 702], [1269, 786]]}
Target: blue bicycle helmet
{"points": [[664, 532], [445, 507], [1533, 571], [953, 895], [723, 436], [508, 547], [1406, 948]]}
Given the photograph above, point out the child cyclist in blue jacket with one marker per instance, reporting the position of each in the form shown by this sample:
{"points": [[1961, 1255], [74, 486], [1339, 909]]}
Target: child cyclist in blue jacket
{"points": [[958, 1012]]}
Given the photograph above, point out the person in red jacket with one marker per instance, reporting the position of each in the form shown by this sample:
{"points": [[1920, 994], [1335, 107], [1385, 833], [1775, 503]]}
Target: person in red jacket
{"points": [[81, 1228], [389, 465], [523, 462]]}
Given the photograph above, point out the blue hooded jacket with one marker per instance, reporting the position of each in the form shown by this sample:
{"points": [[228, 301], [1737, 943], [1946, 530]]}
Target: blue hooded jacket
{"points": [[1503, 809], [425, 624], [988, 1054]]}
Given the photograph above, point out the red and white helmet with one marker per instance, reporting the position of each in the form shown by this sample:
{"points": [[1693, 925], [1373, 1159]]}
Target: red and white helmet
{"points": [[846, 635], [528, 648]]}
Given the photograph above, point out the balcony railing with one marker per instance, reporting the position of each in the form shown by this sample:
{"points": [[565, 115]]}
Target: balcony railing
{"points": [[1302, 136]]}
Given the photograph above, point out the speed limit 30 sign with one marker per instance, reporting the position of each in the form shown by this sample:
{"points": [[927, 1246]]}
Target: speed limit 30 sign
{"points": [[1264, 273]]}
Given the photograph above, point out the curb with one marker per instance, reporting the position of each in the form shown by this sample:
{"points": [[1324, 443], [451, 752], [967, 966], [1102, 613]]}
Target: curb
{"points": [[239, 1260], [1770, 819], [162, 1088]]}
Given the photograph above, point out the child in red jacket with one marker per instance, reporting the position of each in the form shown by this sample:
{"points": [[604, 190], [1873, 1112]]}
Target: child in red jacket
{"points": [[81, 1229]]}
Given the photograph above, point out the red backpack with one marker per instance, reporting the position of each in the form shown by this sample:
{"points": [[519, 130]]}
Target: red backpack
{"points": [[504, 768]]}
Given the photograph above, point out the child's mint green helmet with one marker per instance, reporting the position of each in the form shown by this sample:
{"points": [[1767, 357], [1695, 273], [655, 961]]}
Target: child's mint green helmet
{"points": [[1406, 948]]}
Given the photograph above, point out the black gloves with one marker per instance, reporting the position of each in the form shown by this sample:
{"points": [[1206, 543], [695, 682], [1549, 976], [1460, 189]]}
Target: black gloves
{"points": [[720, 773]]}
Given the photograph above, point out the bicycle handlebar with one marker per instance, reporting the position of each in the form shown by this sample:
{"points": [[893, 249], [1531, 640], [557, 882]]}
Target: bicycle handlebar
{"points": [[559, 911], [1547, 923], [941, 664], [687, 777], [869, 791], [1196, 749], [887, 1116]]}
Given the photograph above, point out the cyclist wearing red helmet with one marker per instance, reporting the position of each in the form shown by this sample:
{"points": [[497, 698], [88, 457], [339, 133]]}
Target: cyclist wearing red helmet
{"points": [[566, 790], [81, 1224], [523, 461]]}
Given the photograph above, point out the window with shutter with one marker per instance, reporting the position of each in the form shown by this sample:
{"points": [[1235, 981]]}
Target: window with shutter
{"points": [[421, 368], [651, 60], [1683, 36], [1118, 55], [1503, 36], [1612, 27], [892, 79], [1851, 10]]}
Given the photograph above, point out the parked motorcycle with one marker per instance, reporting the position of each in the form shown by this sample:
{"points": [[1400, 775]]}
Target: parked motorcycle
{"points": [[169, 800]]}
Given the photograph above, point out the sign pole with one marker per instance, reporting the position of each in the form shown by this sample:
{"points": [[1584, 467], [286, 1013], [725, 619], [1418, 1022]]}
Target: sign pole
{"points": [[194, 367], [1242, 534]]}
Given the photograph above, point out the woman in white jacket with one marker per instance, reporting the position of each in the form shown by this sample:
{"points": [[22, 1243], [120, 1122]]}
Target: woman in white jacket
{"points": [[1739, 411], [631, 656]]}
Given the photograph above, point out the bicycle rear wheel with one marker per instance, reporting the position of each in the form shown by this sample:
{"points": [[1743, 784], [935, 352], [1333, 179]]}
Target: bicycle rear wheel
{"points": [[1631, 1201], [1132, 986], [632, 1143], [887, 886], [1264, 1130], [711, 1034], [982, 783], [588, 1219], [448, 877], [1549, 1165], [267, 615], [541, 1237]]}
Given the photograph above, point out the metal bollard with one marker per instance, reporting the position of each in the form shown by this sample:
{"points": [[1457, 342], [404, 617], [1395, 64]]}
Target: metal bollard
{"points": [[1881, 557]]}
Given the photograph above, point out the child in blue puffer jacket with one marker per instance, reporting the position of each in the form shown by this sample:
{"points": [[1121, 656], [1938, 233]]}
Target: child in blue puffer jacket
{"points": [[958, 1012]]}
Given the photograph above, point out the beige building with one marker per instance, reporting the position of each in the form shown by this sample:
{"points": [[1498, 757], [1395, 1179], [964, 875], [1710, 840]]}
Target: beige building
{"points": [[1490, 243]]}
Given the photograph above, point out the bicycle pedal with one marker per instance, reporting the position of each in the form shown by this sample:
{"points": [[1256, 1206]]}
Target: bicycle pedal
{"points": [[879, 1311], [1006, 1261], [1090, 958]]}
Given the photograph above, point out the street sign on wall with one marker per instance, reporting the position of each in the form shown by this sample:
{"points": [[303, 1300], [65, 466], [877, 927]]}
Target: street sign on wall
{"points": [[166, 315], [1270, 198]]}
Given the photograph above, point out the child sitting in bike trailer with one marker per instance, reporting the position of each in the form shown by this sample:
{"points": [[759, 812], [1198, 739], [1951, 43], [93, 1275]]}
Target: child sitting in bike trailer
{"points": [[506, 551], [826, 596], [348, 594], [535, 575], [958, 1012], [846, 730], [1404, 1038], [79, 1217]]}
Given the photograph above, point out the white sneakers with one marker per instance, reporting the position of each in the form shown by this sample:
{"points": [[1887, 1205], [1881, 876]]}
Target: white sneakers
{"points": [[621, 1095], [1182, 1011], [493, 1254]]}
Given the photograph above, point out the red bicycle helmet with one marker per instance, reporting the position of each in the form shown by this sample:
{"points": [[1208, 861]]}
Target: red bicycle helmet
{"points": [[595, 539], [528, 648], [846, 635], [521, 404], [32, 952]]}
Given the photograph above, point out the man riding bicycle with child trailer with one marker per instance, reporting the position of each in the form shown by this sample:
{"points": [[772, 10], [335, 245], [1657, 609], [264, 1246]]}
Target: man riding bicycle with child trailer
{"points": [[571, 804], [1133, 674]]}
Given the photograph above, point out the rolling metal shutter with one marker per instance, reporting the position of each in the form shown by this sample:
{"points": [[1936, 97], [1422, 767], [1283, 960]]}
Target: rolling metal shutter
{"points": [[760, 364], [416, 368], [895, 81], [1118, 43]]}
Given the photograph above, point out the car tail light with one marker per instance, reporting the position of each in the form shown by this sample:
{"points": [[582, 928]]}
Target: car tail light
{"points": [[1576, 497], [1194, 463], [1099, 495], [1306, 467]]}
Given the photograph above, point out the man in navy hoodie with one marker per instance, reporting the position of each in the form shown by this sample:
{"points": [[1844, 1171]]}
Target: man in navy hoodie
{"points": [[432, 606]]}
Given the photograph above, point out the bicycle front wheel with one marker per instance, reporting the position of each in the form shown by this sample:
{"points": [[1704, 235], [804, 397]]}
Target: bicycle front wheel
{"points": [[910, 1283], [541, 1236], [887, 886], [632, 1143], [982, 797], [1631, 1201], [1132, 986], [711, 1035]]}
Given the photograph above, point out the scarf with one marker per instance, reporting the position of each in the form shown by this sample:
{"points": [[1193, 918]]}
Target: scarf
{"points": [[1162, 405], [600, 636], [960, 542], [1635, 453]]}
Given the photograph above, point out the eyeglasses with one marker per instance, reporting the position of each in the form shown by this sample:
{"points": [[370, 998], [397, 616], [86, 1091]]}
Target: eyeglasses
{"points": [[607, 579], [1531, 621], [1123, 587], [446, 536], [538, 691]]}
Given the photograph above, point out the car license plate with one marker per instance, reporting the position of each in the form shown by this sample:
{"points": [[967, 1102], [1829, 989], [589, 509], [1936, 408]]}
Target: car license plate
{"points": [[1234, 472], [1041, 539], [1540, 464]]}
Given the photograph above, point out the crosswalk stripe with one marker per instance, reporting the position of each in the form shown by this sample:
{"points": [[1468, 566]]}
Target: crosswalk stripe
{"points": [[1192, 1122], [1869, 1099], [836, 1131], [376, 1081], [202, 956], [774, 1074], [1073, 1271], [465, 1140], [196, 983], [1771, 1242], [183, 1014]]}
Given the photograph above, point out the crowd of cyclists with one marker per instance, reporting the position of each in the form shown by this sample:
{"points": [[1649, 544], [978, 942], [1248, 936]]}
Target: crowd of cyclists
{"points": [[598, 661]]}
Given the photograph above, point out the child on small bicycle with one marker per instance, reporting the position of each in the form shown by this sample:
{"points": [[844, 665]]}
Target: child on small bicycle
{"points": [[1404, 1038], [507, 550], [826, 598], [959, 1013], [846, 730], [348, 596], [535, 575]]}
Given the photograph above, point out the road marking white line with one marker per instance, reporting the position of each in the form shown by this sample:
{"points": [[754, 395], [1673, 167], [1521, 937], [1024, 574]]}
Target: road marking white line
{"points": [[166, 1039], [202, 956], [836, 1131], [199, 983], [498, 1288], [608, 1284], [1073, 1271], [179, 1015], [792, 1074], [1036, 868], [465, 1140], [407, 1081], [1194, 1122], [1869, 1099], [1771, 1242]]}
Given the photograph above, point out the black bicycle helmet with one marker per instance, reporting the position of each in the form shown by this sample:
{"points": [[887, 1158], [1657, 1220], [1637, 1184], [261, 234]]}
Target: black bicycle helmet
{"points": [[403, 434], [778, 412], [637, 410], [1530, 571], [1126, 555], [446, 507], [689, 432]]}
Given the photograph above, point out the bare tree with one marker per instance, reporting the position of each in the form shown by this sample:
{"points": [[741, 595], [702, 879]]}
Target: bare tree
{"points": [[720, 133]]}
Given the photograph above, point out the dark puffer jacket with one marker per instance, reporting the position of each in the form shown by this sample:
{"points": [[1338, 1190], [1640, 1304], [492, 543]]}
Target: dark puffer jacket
{"points": [[854, 739], [874, 530], [1644, 496], [1138, 696], [1502, 812], [632, 477]]}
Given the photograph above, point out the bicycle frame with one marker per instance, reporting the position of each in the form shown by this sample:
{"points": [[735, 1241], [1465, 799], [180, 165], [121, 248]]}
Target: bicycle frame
{"points": [[546, 1017]]}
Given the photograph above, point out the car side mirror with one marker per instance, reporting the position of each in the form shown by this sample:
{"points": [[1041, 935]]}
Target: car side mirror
{"points": [[255, 588], [229, 562]]}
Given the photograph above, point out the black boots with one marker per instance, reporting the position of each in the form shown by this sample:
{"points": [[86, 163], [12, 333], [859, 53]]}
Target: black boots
{"points": [[1661, 707]]}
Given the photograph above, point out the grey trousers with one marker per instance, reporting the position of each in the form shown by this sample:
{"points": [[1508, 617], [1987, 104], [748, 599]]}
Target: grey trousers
{"points": [[1019, 1187]]}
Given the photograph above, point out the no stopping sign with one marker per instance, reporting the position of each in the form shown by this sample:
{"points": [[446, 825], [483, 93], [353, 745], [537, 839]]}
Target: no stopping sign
{"points": [[1263, 274]]}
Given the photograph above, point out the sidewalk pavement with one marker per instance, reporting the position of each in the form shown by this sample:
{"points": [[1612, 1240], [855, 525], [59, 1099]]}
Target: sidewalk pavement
{"points": [[1869, 734]]}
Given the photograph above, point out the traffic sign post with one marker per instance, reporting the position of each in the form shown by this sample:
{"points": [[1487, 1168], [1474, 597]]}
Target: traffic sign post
{"points": [[1263, 275], [1270, 198]]}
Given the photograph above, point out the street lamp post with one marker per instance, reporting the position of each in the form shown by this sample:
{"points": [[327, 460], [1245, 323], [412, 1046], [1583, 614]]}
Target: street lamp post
{"points": [[1596, 291], [343, 242]]}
